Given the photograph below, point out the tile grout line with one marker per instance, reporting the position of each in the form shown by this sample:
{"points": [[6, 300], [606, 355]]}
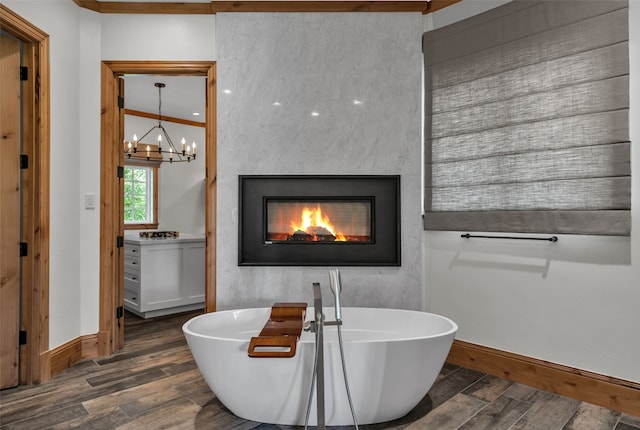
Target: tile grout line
{"points": [[617, 422], [478, 411], [523, 413], [475, 414], [575, 411]]}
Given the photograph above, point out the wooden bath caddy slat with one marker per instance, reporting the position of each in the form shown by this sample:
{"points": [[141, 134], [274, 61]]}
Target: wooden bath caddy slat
{"points": [[281, 331]]}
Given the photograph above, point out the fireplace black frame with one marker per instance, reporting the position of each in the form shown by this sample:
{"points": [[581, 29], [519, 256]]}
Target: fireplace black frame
{"points": [[382, 190]]}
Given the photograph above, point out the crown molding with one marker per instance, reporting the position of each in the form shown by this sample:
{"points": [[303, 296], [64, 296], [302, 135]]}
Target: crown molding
{"points": [[264, 6]]}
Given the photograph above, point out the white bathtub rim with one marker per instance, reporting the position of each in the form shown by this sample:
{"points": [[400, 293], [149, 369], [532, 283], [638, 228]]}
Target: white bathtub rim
{"points": [[451, 330]]}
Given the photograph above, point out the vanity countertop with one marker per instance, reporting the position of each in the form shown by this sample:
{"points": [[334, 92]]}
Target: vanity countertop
{"points": [[135, 239]]}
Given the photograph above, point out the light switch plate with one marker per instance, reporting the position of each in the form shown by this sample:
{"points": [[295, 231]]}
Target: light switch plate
{"points": [[89, 201]]}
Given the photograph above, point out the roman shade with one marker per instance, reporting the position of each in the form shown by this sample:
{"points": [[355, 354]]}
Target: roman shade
{"points": [[527, 120]]}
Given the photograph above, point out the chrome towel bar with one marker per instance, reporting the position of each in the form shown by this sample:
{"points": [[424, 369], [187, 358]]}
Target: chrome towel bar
{"points": [[548, 239]]}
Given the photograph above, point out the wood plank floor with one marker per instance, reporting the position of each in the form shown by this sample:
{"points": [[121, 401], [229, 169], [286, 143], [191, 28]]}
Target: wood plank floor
{"points": [[153, 383]]}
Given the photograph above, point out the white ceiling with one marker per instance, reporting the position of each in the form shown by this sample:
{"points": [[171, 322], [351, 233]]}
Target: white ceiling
{"points": [[181, 97]]}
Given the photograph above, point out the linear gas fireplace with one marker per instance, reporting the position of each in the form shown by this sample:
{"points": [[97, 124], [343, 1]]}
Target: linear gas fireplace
{"points": [[319, 221]]}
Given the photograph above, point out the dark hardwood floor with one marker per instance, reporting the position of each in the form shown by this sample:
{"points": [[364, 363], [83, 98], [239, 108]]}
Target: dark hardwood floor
{"points": [[153, 383]]}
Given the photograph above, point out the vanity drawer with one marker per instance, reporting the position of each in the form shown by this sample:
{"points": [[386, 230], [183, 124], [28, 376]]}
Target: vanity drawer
{"points": [[131, 251], [132, 262], [132, 274], [132, 280], [131, 299]]}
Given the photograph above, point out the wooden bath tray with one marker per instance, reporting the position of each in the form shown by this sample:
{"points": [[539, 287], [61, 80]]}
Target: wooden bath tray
{"points": [[281, 332]]}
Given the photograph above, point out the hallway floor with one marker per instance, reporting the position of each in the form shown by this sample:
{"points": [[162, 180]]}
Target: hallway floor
{"points": [[153, 383]]}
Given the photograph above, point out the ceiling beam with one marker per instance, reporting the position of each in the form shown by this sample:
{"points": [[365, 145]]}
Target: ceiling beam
{"points": [[163, 118], [265, 6]]}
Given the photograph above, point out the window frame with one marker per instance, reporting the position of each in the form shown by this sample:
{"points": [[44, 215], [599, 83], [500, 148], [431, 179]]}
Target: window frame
{"points": [[154, 209]]}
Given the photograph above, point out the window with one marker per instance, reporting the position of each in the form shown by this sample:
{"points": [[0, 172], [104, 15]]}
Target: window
{"points": [[140, 197], [527, 120]]}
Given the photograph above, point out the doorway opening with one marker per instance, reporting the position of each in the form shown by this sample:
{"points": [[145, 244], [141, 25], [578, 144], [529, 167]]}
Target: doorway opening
{"points": [[164, 194], [111, 327]]}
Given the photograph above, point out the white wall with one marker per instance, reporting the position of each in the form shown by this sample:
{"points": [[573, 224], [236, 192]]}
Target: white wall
{"points": [[88, 101], [79, 41], [61, 20], [158, 37], [574, 302]]}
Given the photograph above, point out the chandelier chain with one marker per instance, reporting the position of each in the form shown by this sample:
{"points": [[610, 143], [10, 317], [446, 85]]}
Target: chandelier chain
{"points": [[159, 104]]}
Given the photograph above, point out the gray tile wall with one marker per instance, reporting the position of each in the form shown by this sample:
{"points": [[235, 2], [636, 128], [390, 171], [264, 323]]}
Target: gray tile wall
{"points": [[361, 73]]}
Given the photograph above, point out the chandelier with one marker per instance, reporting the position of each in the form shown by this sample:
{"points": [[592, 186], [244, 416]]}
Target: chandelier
{"points": [[136, 149]]}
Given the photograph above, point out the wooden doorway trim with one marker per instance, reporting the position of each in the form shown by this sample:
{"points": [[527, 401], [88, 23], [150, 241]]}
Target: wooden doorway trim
{"points": [[111, 223], [34, 356]]}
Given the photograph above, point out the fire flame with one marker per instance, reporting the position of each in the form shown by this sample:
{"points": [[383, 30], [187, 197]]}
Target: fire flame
{"points": [[310, 218]]}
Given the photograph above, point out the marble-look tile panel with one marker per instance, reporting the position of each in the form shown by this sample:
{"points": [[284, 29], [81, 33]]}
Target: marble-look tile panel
{"points": [[318, 94]]}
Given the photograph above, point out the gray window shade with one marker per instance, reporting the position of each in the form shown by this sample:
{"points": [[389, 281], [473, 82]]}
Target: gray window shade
{"points": [[527, 120]]}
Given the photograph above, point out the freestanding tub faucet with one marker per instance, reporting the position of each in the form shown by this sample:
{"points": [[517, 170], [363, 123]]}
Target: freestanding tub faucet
{"points": [[317, 326]]}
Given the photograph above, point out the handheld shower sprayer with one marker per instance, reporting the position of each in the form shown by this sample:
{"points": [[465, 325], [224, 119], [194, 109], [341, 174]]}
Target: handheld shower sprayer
{"points": [[336, 287]]}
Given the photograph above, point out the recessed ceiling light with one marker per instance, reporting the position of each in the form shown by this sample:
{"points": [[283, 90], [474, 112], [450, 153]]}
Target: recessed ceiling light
{"points": [[196, 114], [227, 91], [277, 104], [314, 113], [357, 102]]}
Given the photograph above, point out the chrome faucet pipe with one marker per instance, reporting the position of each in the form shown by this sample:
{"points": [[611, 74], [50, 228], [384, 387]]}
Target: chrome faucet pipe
{"points": [[319, 358]]}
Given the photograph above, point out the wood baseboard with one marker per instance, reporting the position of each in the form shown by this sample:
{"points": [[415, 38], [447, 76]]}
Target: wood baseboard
{"points": [[71, 352], [612, 393], [45, 368]]}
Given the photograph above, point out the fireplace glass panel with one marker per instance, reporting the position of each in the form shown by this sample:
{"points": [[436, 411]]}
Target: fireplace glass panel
{"points": [[312, 221]]}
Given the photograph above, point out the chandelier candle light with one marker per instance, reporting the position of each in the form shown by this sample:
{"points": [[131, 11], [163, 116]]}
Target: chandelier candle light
{"points": [[186, 153]]}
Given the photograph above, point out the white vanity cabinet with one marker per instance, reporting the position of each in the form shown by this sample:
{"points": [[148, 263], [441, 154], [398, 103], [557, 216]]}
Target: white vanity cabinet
{"points": [[163, 275]]}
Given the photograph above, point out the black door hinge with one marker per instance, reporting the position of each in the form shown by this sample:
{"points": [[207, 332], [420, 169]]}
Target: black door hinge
{"points": [[24, 161], [120, 172], [119, 241], [24, 249], [22, 337], [120, 102], [24, 73], [119, 312]]}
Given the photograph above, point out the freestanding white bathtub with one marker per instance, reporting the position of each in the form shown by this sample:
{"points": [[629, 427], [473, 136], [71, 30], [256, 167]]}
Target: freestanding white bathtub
{"points": [[392, 356]]}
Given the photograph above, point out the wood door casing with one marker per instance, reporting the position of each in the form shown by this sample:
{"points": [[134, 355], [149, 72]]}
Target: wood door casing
{"points": [[119, 290], [111, 216]]}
